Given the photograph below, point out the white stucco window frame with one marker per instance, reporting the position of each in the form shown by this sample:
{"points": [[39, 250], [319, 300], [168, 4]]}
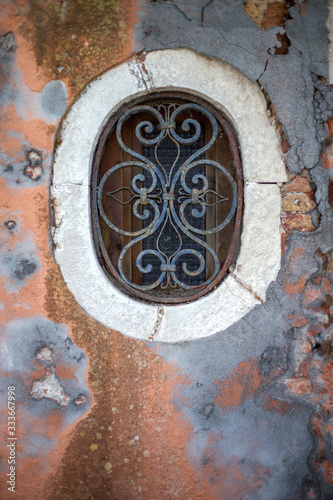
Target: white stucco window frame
{"points": [[259, 258]]}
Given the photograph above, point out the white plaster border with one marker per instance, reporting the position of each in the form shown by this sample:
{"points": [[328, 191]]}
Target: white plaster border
{"points": [[259, 258]]}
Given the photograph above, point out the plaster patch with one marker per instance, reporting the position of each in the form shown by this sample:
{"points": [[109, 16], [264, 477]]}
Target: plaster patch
{"points": [[54, 99], [48, 105], [259, 260], [22, 343], [49, 386]]}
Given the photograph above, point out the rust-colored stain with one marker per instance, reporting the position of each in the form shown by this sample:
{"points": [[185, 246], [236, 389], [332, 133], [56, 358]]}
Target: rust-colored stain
{"points": [[276, 405], [34, 131], [297, 320], [27, 300], [267, 13], [243, 381], [297, 286], [231, 479]]}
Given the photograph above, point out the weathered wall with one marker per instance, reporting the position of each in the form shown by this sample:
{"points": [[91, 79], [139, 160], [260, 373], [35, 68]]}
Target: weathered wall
{"points": [[245, 413]]}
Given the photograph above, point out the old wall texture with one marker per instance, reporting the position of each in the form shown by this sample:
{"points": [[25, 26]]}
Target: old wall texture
{"points": [[244, 414]]}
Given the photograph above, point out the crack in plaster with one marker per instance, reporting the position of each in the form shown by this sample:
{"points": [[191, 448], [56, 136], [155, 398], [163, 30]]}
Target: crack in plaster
{"points": [[160, 314], [265, 68], [203, 11], [236, 45], [142, 75], [245, 285], [182, 12]]}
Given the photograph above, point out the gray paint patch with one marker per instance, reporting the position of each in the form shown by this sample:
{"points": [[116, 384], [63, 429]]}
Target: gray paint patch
{"points": [[7, 42], [24, 341], [227, 33], [261, 445], [19, 255], [54, 99], [259, 442], [217, 29], [24, 268]]}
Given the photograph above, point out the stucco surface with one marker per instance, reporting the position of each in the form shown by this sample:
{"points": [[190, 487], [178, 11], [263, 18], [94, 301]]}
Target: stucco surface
{"points": [[244, 413]]}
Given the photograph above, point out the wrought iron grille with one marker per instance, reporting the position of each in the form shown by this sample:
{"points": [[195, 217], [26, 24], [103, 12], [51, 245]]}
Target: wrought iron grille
{"points": [[167, 198]]}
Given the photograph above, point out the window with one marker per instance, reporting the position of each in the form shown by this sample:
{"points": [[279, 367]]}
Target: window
{"points": [[167, 197], [88, 148]]}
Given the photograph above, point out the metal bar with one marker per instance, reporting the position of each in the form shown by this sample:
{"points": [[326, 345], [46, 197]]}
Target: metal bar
{"points": [[168, 195]]}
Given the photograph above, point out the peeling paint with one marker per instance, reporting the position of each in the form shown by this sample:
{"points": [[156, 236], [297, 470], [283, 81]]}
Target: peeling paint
{"points": [[49, 386], [142, 75]]}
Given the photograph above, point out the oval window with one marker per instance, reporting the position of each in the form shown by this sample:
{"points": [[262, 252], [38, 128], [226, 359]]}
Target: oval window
{"points": [[167, 197]]}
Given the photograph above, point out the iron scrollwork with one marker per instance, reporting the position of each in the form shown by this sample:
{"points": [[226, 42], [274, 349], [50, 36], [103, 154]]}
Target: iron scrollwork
{"points": [[169, 200]]}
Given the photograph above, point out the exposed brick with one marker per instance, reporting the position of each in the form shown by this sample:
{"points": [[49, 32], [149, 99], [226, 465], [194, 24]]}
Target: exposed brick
{"points": [[297, 202], [316, 280], [316, 330], [297, 222], [328, 471], [298, 185], [326, 284], [285, 146], [297, 320], [265, 13], [296, 286], [284, 243], [299, 385], [311, 295], [328, 159], [304, 369], [305, 347], [275, 15]]}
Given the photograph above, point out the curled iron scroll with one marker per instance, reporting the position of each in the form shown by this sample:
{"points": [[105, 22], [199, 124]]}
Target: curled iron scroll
{"points": [[175, 198]]}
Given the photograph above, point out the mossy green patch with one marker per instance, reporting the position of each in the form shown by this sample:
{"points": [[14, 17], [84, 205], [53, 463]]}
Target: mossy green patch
{"points": [[77, 39]]}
